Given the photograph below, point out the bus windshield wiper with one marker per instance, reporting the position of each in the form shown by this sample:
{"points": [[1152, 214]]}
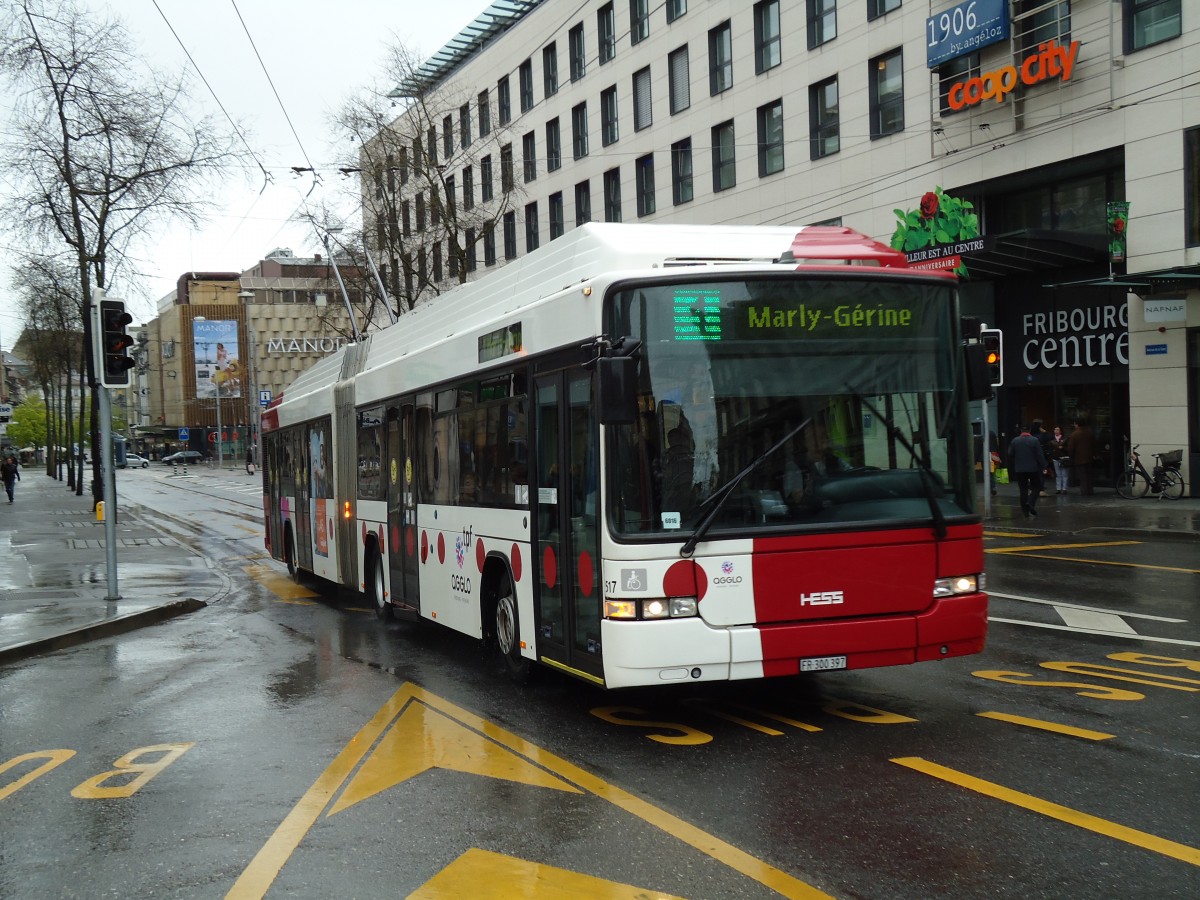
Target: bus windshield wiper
{"points": [[718, 497], [924, 470]]}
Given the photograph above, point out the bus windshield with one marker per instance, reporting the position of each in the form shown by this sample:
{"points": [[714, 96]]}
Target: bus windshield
{"points": [[790, 401]]}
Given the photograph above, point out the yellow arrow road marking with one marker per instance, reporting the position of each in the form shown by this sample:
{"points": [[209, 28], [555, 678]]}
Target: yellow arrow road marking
{"points": [[267, 863], [1058, 727], [1132, 836], [491, 876]]}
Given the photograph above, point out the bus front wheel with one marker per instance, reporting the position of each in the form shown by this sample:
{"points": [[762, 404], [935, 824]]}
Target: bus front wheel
{"points": [[376, 591], [508, 631]]}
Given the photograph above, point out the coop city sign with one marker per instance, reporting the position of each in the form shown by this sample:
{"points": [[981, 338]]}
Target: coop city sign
{"points": [[1051, 61]]}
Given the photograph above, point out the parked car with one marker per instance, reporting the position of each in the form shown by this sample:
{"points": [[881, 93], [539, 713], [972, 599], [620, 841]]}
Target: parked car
{"points": [[133, 461], [184, 458]]}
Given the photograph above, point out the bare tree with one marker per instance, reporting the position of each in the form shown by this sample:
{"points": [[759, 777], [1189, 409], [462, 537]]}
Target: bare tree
{"points": [[100, 149], [437, 177]]}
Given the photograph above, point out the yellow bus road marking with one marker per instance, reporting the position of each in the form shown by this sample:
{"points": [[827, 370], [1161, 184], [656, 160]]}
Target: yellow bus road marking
{"points": [[1057, 727], [1182, 852], [280, 585], [1087, 546], [415, 731], [1010, 534], [1102, 562], [490, 876]]}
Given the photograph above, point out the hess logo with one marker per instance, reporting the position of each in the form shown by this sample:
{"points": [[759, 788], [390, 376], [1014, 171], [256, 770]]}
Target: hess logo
{"points": [[822, 598]]}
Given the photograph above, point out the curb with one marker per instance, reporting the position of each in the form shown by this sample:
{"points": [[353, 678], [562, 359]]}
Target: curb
{"points": [[1161, 534], [100, 629]]}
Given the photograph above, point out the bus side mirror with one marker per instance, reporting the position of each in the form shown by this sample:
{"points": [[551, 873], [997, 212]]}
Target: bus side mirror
{"points": [[618, 389], [979, 381]]}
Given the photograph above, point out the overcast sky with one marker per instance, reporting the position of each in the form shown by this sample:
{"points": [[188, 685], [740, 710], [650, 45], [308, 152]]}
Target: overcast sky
{"points": [[317, 53]]}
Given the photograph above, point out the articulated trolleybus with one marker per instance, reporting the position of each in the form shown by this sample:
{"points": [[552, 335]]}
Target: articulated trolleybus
{"points": [[647, 454]]}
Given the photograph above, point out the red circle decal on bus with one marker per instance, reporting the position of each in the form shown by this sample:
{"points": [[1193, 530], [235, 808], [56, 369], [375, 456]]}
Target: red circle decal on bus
{"points": [[514, 557], [587, 574], [396, 540], [410, 540], [382, 543], [549, 567], [424, 546], [480, 554], [364, 529], [441, 548], [685, 579]]}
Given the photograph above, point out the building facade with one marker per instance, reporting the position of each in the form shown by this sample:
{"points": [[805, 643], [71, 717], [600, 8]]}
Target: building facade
{"points": [[1048, 149]]}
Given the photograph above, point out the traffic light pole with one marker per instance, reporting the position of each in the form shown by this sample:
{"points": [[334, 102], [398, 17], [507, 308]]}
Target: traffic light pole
{"points": [[986, 444], [110, 491]]}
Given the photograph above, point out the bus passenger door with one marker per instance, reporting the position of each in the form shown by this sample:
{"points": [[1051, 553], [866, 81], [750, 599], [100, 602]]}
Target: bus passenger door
{"points": [[567, 538], [303, 535], [402, 507]]}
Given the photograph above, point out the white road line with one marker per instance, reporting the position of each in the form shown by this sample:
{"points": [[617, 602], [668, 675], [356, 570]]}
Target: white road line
{"points": [[1136, 637], [1061, 605]]}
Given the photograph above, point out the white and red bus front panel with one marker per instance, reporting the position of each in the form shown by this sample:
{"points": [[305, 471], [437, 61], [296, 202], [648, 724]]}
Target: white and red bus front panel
{"points": [[854, 600]]}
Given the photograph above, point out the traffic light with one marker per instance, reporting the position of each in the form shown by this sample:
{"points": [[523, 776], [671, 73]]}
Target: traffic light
{"points": [[993, 349], [113, 362]]}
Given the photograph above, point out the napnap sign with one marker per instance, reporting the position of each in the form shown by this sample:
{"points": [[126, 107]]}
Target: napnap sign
{"points": [[964, 28]]}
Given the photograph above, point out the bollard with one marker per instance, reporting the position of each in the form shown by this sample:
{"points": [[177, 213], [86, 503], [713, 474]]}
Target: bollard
{"points": [[100, 511]]}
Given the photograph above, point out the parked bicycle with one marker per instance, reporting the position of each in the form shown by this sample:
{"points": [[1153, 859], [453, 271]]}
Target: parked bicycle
{"points": [[1164, 482]]}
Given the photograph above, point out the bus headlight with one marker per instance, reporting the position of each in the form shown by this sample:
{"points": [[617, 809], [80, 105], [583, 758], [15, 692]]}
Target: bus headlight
{"points": [[960, 584], [655, 609], [650, 609], [620, 609], [682, 607]]}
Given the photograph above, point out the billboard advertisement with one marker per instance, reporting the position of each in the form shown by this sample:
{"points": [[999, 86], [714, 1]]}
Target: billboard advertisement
{"points": [[215, 351]]}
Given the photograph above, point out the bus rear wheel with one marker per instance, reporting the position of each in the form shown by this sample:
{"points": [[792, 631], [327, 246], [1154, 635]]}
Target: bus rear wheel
{"points": [[508, 631], [376, 592]]}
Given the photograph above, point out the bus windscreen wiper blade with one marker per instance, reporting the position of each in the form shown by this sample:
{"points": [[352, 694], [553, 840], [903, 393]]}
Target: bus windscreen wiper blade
{"points": [[725, 491], [925, 471]]}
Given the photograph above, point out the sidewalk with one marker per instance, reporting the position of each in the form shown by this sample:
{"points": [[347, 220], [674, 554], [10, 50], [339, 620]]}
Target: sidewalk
{"points": [[54, 574], [53, 571]]}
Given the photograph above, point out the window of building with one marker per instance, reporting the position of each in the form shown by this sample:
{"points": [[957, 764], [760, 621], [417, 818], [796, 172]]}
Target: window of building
{"points": [[525, 75], [403, 165], [506, 168], [675, 9], [679, 80], [1191, 185], [406, 216], [451, 197], [770, 138], [448, 136], [950, 73], [553, 145], [550, 69], [422, 267], [531, 227], [435, 206], [452, 256], [420, 211], [577, 51], [557, 228], [583, 203], [390, 164], [886, 74], [470, 252], [609, 133], [877, 8], [1150, 22], [612, 195], [606, 32], [468, 187], [1034, 22], [579, 134], [822, 22], [767, 41], [431, 151], [484, 113], [644, 169], [437, 261], [643, 113], [464, 125], [681, 171], [824, 132], [510, 235], [485, 178], [503, 101], [720, 58], [417, 154], [489, 247], [723, 157], [529, 156], [639, 21]]}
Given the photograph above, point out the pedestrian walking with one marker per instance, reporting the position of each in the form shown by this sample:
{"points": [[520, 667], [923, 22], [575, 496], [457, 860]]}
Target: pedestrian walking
{"points": [[1058, 456], [1027, 459], [1080, 446], [249, 460], [11, 473]]}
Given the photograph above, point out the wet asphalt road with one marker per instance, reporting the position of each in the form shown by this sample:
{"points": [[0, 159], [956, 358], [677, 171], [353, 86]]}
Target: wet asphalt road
{"points": [[282, 743]]}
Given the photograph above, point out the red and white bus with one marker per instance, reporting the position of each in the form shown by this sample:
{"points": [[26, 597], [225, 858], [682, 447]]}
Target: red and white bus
{"points": [[647, 454]]}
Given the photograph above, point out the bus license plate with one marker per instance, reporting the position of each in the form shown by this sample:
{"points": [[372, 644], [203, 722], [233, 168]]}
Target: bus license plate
{"points": [[822, 663]]}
